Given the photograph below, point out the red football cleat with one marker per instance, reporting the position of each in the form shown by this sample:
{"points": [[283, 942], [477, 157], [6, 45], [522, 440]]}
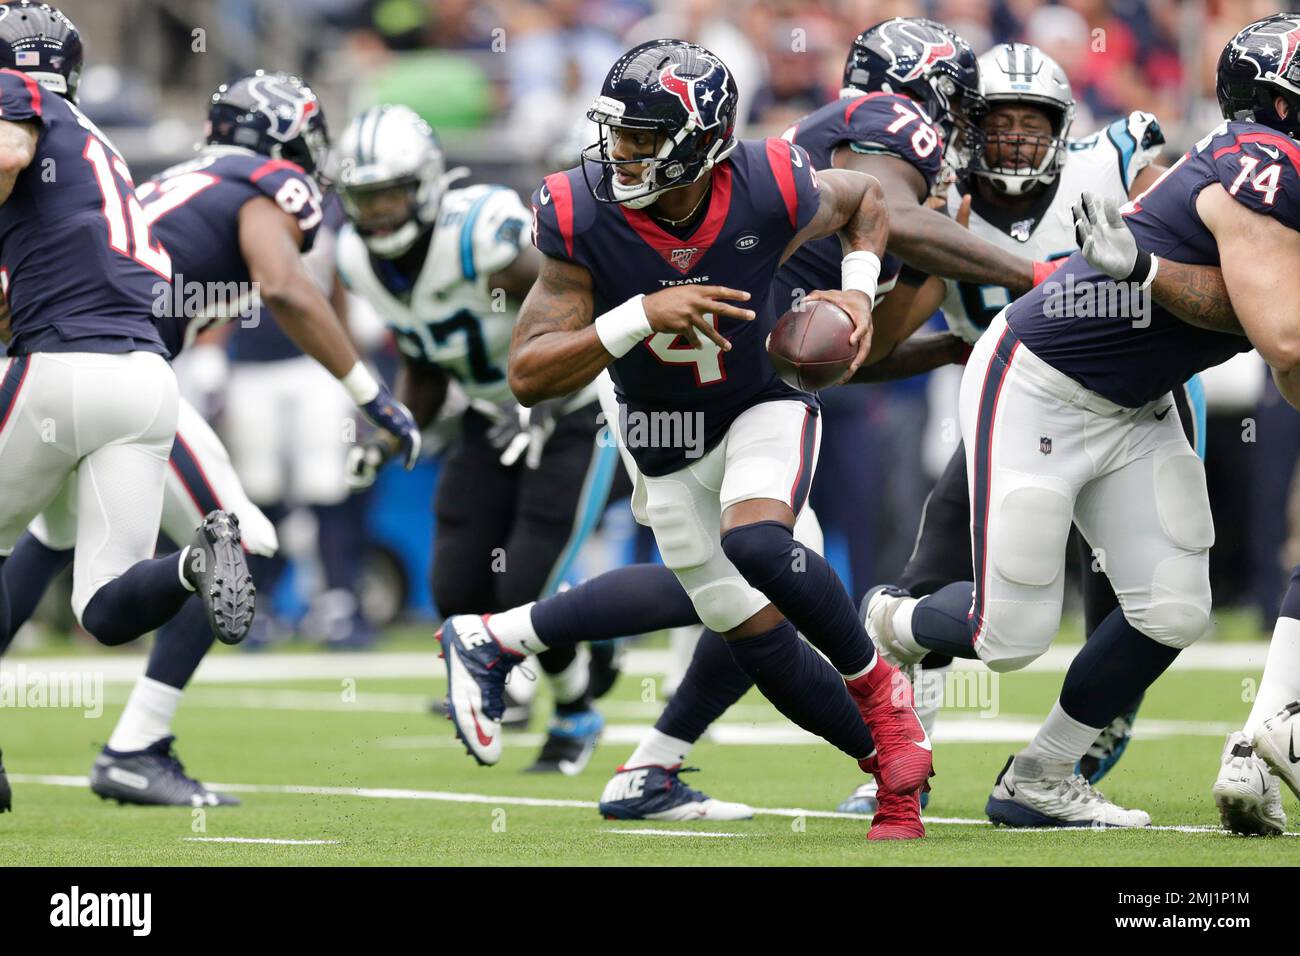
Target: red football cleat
{"points": [[903, 758], [897, 816]]}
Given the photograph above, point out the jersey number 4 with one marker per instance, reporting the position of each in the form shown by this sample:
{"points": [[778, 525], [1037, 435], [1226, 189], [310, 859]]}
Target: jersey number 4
{"points": [[128, 228], [673, 349]]}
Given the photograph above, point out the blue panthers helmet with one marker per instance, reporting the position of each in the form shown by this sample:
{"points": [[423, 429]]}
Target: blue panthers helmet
{"points": [[275, 114], [929, 62], [678, 90], [1259, 64], [37, 39]]}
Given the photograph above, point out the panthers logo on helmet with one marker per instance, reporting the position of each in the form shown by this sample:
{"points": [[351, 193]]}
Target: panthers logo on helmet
{"points": [[287, 108], [913, 47], [703, 108], [1260, 42]]}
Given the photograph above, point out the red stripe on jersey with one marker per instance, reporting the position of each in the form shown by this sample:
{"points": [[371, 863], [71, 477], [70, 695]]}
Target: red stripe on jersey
{"points": [[33, 89], [704, 234], [853, 105], [274, 166], [557, 184], [779, 158], [1284, 143]]}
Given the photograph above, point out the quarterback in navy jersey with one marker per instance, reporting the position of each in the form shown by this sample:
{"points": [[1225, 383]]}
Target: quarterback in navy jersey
{"points": [[664, 228], [1065, 410]]}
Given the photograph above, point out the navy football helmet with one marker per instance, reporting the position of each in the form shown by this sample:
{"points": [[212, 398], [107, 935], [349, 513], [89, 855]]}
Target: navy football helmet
{"points": [[929, 62], [40, 41], [1259, 64], [275, 114], [679, 91]]}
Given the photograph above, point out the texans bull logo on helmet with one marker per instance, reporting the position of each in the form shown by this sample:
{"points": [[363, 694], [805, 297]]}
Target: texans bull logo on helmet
{"points": [[286, 107], [1260, 43], [700, 107], [914, 48]]}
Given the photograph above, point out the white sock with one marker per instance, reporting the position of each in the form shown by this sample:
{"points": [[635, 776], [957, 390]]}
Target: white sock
{"points": [[659, 750], [571, 683], [514, 629], [903, 625], [864, 672], [180, 569], [1281, 682], [147, 717], [1059, 743]]}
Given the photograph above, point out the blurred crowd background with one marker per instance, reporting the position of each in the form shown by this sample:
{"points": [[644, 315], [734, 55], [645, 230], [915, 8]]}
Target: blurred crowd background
{"points": [[505, 84]]}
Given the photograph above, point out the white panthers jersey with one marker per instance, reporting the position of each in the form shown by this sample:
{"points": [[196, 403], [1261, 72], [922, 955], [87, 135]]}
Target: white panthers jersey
{"points": [[449, 316], [1105, 163]]}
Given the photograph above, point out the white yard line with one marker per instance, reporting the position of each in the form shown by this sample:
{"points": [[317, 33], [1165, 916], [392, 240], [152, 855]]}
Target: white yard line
{"points": [[249, 668], [260, 840], [444, 796], [672, 833]]}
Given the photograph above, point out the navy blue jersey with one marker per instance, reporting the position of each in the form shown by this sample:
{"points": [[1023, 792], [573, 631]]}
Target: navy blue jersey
{"points": [[78, 265], [194, 208], [885, 124], [265, 341], [1096, 330], [762, 195]]}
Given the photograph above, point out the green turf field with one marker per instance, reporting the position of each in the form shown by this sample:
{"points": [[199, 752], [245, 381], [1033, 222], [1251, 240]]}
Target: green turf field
{"points": [[342, 750]]}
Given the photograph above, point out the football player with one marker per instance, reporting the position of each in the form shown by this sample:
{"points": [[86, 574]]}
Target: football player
{"points": [[520, 488], [1259, 81], [234, 223], [1018, 197], [87, 396], [1065, 407], [654, 249]]}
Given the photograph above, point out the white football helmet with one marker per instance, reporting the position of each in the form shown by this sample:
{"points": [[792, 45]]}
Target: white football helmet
{"points": [[391, 177], [1017, 73]]}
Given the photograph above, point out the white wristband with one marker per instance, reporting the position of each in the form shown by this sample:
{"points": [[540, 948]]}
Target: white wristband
{"points": [[361, 385], [1151, 276], [623, 327], [859, 271]]}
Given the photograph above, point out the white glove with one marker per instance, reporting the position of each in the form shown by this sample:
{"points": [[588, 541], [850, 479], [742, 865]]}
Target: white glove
{"points": [[1107, 242], [364, 462]]}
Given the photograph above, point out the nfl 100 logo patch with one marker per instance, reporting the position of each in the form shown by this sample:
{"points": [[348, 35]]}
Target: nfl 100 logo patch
{"points": [[682, 258]]}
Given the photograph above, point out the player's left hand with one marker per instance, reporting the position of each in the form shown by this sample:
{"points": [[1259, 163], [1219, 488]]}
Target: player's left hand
{"points": [[858, 307], [364, 462], [1104, 237], [386, 412], [535, 427]]}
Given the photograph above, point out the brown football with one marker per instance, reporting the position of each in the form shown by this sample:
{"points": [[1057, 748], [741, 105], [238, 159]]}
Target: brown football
{"points": [[810, 348]]}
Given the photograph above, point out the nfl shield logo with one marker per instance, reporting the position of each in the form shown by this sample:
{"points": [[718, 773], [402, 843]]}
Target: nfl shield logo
{"points": [[682, 258], [1020, 230], [1045, 445]]}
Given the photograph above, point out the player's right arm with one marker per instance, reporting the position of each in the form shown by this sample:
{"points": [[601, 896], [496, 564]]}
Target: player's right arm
{"points": [[17, 150], [928, 240]]}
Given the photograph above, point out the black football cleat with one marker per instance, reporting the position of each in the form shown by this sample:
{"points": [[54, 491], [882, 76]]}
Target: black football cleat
{"points": [[151, 777], [570, 741], [216, 567], [6, 795]]}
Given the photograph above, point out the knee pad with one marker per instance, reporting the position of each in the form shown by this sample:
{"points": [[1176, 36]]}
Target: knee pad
{"points": [[726, 603], [1033, 524], [760, 551], [1182, 500], [1015, 635], [683, 539], [1178, 611]]}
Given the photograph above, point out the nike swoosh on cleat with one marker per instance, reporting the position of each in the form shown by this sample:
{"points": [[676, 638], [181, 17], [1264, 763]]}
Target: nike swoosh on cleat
{"points": [[483, 739]]}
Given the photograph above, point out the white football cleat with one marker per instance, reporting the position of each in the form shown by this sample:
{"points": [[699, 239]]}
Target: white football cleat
{"points": [[877, 613], [1249, 798], [1023, 797], [1275, 741]]}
